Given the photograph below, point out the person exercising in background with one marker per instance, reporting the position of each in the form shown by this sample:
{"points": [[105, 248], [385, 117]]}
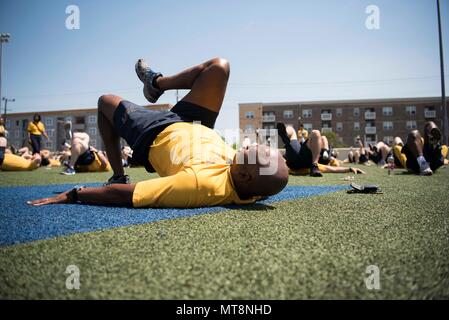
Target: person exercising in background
{"points": [[12, 162], [36, 130], [196, 167], [301, 160], [425, 154], [85, 158]]}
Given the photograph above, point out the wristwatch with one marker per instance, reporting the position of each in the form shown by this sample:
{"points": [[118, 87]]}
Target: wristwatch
{"points": [[72, 195]]}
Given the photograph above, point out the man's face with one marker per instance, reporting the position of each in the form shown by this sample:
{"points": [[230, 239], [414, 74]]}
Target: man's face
{"points": [[261, 157]]}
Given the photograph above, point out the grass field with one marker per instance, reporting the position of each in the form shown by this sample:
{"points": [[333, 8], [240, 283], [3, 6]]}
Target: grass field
{"points": [[316, 247]]}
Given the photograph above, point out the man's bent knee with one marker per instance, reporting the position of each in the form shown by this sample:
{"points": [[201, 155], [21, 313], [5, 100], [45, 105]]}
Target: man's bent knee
{"points": [[222, 64], [108, 101]]}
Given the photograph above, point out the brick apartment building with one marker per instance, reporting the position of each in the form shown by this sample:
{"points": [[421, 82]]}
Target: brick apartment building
{"points": [[84, 120], [372, 120]]}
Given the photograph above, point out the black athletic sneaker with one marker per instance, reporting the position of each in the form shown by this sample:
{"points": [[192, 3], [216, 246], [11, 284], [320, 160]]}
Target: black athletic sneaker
{"points": [[117, 180], [314, 171], [147, 76]]}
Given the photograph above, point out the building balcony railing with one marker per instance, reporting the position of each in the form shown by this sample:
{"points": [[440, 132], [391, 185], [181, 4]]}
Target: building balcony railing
{"points": [[326, 117], [269, 118], [370, 130], [324, 130], [430, 114], [370, 115]]}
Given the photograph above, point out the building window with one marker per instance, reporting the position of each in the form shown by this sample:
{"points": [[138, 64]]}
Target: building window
{"points": [[93, 131], [356, 126], [411, 125], [288, 114], [68, 119], [249, 128], [51, 132], [339, 112], [356, 112], [48, 145], [7, 123], [80, 120], [17, 134], [388, 139], [93, 143], [17, 123], [307, 113], [308, 126], [388, 125], [48, 121], [410, 110], [339, 126], [249, 115], [387, 111], [92, 119]]}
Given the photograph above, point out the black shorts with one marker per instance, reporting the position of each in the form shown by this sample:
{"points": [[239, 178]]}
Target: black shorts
{"points": [[323, 161], [363, 158], [432, 155], [139, 126], [85, 159], [298, 156]]}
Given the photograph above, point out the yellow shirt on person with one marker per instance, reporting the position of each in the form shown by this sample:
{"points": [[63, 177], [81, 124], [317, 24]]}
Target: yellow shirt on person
{"points": [[194, 164], [2, 131], [12, 162], [36, 128], [95, 166]]}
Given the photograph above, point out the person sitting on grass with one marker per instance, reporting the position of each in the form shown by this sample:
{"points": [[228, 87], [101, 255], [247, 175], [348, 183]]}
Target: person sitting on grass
{"points": [[304, 158], [196, 167], [85, 158], [12, 162], [424, 154]]}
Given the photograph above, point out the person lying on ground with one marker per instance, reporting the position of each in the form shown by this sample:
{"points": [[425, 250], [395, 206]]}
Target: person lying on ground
{"points": [[196, 167], [304, 158], [85, 158], [424, 154], [12, 162]]}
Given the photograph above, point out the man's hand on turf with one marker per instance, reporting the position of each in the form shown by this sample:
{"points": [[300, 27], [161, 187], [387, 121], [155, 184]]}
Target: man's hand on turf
{"points": [[59, 199], [356, 170]]}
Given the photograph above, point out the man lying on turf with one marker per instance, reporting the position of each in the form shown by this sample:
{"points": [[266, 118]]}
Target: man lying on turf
{"points": [[304, 158], [196, 167]]}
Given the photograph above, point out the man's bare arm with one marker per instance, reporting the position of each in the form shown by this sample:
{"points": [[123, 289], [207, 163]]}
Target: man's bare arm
{"points": [[112, 195]]}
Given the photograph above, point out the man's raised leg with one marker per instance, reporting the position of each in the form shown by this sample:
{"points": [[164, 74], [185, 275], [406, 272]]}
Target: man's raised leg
{"points": [[207, 83]]}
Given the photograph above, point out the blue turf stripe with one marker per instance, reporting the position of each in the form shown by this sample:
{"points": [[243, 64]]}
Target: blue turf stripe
{"points": [[20, 222]]}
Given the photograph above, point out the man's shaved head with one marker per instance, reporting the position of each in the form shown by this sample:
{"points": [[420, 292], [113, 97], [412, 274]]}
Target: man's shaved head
{"points": [[259, 171]]}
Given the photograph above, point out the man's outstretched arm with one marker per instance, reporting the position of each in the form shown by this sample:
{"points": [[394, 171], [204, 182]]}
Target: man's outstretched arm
{"points": [[112, 195]]}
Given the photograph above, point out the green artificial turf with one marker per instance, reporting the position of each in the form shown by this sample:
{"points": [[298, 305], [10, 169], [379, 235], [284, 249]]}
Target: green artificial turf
{"points": [[317, 247]]}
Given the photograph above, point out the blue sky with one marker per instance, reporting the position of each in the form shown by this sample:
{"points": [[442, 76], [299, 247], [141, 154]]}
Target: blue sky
{"points": [[279, 50]]}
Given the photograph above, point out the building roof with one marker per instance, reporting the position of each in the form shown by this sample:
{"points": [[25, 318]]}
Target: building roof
{"points": [[350, 101]]}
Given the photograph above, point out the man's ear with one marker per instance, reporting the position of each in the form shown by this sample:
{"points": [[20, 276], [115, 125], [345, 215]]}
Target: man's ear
{"points": [[244, 176]]}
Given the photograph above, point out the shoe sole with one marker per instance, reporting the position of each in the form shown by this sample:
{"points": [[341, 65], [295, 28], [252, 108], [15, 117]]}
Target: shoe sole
{"points": [[67, 174], [138, 68]]}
